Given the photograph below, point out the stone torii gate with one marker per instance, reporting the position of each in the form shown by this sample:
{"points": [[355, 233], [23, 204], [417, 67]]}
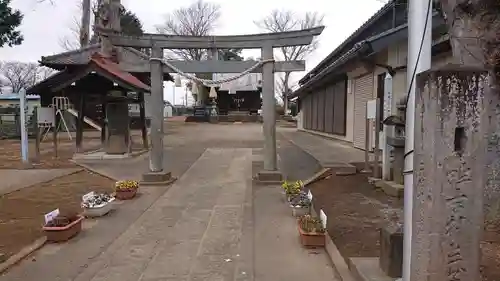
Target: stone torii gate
{"points": [[265, 42]]}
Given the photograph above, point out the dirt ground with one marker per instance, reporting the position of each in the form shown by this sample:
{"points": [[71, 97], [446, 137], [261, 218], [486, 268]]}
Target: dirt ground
{"points": [[356, 211], [21, 212], [10, 151]]}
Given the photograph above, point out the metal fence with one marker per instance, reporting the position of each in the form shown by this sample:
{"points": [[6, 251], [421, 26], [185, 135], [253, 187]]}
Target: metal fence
{"points": [[10, 121]]}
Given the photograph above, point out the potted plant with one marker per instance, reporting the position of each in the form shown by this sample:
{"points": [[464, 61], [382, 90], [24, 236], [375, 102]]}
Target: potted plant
{"points": [[126, 189], [311, 230], [97, 204], [291, 189], [300, 204], [63, 227]]}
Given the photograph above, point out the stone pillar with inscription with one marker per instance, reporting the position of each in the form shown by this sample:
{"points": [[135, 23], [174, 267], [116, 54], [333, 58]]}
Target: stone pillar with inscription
{"points": [[451, 125]]}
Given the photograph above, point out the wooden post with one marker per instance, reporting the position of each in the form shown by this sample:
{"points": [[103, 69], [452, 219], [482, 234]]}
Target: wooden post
{"points": [[376, 150], [142, 115], [387, 130], [104, 119], [452, 117], [80, 124], [367, 145], [367, 169], [36, 131], [54, 131], [17, 116], [127, 135]]}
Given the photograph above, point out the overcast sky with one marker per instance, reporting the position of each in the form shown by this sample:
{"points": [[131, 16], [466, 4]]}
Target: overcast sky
{"points": [[44, 24]]}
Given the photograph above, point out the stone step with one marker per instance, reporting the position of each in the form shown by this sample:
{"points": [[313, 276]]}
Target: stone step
{"points": [[390, 188]]}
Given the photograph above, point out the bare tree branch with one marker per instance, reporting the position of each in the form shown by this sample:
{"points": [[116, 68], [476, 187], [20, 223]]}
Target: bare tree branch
{"points": [[71, 41], [198, 19], [286, 20], [19, 75]]}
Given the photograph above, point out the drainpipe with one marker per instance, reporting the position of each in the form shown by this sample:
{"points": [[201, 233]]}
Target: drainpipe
{"points": [[419, 60]]}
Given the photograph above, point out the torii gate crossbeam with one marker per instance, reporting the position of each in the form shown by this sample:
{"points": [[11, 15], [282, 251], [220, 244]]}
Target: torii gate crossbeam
{"points": [[266, 42]]}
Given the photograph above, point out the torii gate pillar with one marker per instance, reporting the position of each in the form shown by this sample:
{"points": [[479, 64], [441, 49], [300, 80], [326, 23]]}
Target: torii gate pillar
{"points": [[156, 172], [270, 172]]}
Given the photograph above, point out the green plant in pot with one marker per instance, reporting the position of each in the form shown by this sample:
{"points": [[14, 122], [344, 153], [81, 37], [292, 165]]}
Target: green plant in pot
{"points": [[311, 230], [292, 188], [63, 227], [311, 224], [300, 204]]}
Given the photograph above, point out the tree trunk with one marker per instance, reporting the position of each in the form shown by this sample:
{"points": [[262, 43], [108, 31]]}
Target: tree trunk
{"points": [[85, 24], [286, 91], [473, 28]]}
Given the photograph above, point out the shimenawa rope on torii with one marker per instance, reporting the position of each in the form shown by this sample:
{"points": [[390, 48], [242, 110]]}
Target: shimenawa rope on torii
{"points": [[209, 82]]}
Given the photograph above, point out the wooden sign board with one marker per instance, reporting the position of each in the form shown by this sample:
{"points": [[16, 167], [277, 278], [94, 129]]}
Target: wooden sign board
{"points": [[371, 109], [45, 115], [323, 218], [50, 216]]}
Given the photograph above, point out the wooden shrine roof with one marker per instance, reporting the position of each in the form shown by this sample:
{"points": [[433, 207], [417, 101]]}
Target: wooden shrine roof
{"points": [[97, 64], [83, 56]]}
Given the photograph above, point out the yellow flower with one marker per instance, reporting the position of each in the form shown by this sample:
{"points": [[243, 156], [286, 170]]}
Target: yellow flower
{"points": [[126, 184]]}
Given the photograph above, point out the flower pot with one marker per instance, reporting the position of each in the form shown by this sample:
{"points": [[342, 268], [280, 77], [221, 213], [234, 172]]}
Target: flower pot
{"points": [[60, 234], [98, 211], [287, 197], [311, 239], [125, 194], [300, 211]]}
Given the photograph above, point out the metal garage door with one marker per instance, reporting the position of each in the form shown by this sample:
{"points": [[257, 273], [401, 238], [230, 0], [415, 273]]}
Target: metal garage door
{"points": [[363, 92]]}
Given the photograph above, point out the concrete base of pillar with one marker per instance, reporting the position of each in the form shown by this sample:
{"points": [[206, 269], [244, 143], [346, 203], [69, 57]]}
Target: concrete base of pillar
{"points": [[366, 172], [269, 177], [157, 178], [213, 119], [101, 155]]}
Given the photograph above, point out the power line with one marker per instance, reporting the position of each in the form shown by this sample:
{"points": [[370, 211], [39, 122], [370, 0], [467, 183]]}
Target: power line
{"points": [[429, 8]]}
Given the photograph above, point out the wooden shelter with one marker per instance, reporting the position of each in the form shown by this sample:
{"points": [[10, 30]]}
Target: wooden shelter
{"points": [[99, 89]]}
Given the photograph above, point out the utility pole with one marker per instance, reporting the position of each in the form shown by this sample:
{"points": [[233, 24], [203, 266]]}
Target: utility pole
{"points": [[419, 36]]}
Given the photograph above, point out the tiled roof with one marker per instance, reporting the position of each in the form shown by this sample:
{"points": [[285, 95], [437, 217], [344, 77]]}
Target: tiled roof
{"points": [[16, 97], [353, 52], [83, 56], [51, 81], [80, 56], [350, 40], [105, 64], [102, 66]]}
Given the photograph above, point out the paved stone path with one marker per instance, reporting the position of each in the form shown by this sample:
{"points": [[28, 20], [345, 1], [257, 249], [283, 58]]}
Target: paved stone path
{"points": [[190, 232], [212, 224]]}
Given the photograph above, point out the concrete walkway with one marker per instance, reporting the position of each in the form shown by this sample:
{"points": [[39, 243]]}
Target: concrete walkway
{"points": [[326, 151], [210, 225], [188, 233]]}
